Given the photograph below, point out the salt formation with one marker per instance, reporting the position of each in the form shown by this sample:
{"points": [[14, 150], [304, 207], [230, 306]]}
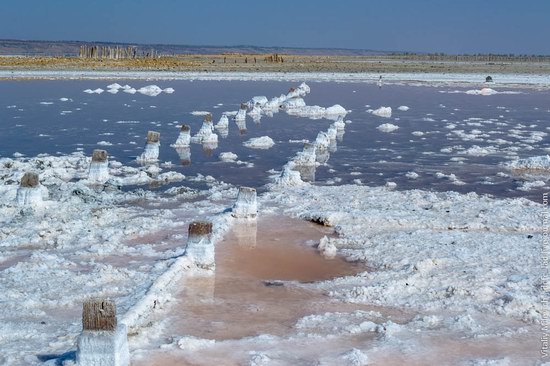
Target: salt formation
{"points": [[102, 341], [306, 157], [288, 177], [387, 127], [228, 157], [323, 145], [206, 134], [223, 123], [184, 138], [264, 142], [535, 163], [29, 192], [245, 207], [382, 112], [151, 152], [403, 108], [274, 103], [482, 91], [256, 113], [241, 114], [257, 101], [99, 167], [200, 247], [292, 104], [150, 90]]}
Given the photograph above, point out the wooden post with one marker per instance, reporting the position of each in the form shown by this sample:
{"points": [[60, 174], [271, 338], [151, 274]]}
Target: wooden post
{"points": [[99, 314], [200, 228], [29, 180], [99, 156], [153, 137]]}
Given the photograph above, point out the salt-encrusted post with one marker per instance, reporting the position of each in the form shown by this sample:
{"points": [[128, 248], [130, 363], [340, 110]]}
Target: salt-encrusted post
{"points": [[206, 134], [102, 341], [29, 192], [184, 138], [245, 207], [200, 247], [151, 152], [241, 114], [99, 167]]}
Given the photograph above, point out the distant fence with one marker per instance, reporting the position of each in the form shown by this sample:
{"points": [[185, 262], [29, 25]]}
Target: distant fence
{"points": [[114, 53]]}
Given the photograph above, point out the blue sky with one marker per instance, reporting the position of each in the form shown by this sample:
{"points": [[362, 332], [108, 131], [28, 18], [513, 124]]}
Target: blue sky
{"points": [[451, 26]]}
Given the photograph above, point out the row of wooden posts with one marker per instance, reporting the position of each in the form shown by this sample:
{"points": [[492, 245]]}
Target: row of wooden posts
{"points": [[114, 53]]}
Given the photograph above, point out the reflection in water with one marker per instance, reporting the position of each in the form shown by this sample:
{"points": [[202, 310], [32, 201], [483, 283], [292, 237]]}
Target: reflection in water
{"points": [[224, 132], [241, 124], [209, 147], [185, 155], [245, 231]]}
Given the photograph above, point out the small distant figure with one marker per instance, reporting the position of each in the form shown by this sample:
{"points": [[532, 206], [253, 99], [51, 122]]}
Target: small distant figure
{"points": [[488, 79], [380, 82]]}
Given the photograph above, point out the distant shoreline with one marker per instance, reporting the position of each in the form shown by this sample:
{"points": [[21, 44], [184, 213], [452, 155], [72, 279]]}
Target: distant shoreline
{"points": [[295, 68]]}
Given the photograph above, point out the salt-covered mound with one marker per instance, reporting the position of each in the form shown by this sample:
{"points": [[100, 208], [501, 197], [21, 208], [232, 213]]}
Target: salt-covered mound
{"points": [[387, 127], [535, 163], [403, 108], [259, 101], [264, 142], [150, 90], [336, 110], [292, 104], [430, 251], [228, 157], [288, 178], [482, 91], [95, 91], [274, 103], [382, 112]]}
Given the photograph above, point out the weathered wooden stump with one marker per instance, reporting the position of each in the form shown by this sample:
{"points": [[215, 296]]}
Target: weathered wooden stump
{"points": [[99, 314], [102, 341], [153, 137], [99, 156], [29, 180]]}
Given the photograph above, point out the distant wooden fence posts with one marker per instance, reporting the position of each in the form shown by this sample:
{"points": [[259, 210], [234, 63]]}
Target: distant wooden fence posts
{"points": [[114, 53], [274, 58]]}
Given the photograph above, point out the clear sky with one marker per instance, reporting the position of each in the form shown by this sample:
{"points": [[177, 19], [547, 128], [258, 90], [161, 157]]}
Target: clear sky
{"points": [[450, 26]]}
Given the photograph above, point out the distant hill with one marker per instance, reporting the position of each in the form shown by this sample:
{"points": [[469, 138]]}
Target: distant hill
{"points": [[71, 48]]}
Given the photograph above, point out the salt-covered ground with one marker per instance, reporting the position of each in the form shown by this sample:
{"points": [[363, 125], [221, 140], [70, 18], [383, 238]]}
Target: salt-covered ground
{"points": [[442, 276]]}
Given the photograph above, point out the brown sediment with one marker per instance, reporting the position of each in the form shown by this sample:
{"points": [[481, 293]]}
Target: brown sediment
{"points": [[99, 314], [29, 180], [99, 156], [185, 128], [244, 106], [208, 117], [153, 137]]}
